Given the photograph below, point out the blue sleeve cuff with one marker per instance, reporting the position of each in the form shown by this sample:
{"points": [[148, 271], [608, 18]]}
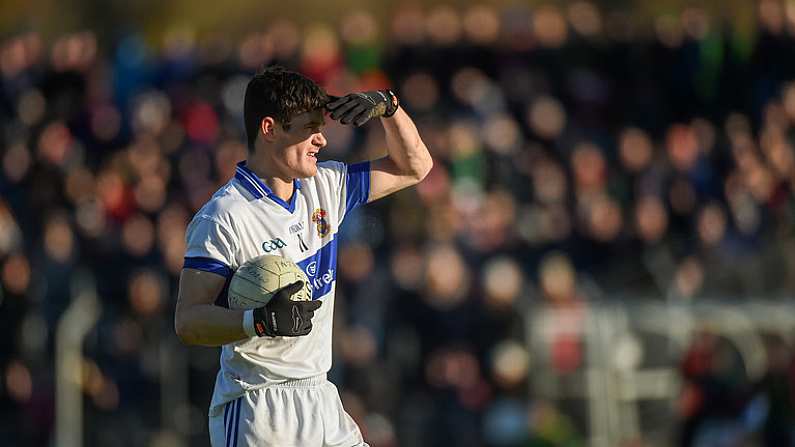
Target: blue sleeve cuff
{"points": [[357, 185], [208, 265]]}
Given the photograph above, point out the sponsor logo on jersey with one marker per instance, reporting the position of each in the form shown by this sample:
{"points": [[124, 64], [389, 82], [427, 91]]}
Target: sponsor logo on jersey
{"points": [[319, 282], [296, 228], [323, 281], [320, 269], [319, 217], [273, 244]]}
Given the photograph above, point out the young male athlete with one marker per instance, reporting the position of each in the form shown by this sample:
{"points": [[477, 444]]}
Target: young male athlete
{"points": [[271, 389]]}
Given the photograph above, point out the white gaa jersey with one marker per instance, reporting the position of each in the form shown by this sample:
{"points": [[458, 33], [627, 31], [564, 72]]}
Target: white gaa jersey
{"points": [[243, 220]]}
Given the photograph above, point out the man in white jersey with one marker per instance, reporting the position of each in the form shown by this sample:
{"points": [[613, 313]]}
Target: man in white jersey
{"points": [[271, 389]]}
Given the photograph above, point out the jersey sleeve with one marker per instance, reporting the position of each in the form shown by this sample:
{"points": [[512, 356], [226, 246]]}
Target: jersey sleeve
{"points": [[210, 247], [350, 184], [357, 185]]}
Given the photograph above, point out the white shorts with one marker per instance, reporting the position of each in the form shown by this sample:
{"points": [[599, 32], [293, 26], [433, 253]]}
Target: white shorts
{"points": [[300, 413]]}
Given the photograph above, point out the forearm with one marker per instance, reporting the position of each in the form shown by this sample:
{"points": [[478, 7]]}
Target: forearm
{"points": [[209, 325], [405, 147]]}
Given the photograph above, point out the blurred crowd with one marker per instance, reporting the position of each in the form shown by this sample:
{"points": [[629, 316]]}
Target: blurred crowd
{"points": [[580, 155]]}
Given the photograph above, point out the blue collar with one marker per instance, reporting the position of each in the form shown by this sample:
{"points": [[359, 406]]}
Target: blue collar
{"points": [[260, 190]]}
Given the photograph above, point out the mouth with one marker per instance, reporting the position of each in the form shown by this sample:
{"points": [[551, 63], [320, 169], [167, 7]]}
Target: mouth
{"points": [[312, 155]]}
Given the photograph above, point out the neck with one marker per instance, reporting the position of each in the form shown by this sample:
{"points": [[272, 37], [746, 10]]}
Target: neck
{"points": [[267, 171]]}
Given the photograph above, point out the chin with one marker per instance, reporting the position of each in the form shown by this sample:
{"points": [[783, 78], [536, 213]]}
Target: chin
{"points": [[306, 172]]}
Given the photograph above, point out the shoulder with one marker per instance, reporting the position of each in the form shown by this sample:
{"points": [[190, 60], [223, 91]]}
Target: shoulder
{"points": [[222, 206], [329, 175], [331, 167]]}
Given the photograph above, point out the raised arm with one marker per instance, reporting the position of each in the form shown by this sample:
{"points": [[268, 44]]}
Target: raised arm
{"points": [[408, 160]]}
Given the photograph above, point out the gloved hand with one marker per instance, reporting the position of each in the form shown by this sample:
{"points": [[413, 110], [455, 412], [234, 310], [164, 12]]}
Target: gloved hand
{"points": [[283, 316], [357, 108]]}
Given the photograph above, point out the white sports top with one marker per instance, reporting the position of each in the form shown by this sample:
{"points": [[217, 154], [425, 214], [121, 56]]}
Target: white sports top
{"points": [[243, 220]]}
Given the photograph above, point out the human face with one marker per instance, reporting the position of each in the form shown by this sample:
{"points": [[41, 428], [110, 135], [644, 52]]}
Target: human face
{"points": [[297, 150]]}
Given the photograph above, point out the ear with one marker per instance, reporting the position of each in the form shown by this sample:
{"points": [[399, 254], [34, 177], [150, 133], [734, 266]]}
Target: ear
{"points": [[267, 128]]}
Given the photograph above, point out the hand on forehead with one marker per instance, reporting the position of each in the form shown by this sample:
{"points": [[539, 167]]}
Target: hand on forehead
{"points": [[314, 117]]}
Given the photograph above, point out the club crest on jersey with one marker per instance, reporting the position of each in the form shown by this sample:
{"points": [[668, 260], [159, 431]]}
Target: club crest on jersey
{"points": [[320, 218]]}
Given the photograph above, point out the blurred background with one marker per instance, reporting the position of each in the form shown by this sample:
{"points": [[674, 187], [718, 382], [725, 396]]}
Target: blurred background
{"points": [[601, 256]]}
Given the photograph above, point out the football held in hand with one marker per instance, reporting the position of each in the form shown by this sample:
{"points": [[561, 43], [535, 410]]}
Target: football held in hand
{"points": [[255, 282]]}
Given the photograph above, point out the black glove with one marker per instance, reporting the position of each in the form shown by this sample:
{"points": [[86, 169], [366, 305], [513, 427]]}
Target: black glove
{"points": [[357, 108], [284, 317]]}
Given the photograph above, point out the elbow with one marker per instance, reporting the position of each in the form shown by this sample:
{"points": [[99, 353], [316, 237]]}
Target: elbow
{"points": [[423, 168], [184, 332]]}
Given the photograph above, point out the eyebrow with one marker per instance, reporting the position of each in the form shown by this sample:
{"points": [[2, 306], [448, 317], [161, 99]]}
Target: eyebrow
{"points": [[316, 123]]}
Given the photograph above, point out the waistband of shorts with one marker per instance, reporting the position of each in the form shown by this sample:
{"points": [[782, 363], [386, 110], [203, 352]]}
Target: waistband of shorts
{"points": [[303, 383]]}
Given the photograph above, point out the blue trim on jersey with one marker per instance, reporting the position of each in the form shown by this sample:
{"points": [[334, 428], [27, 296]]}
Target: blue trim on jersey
{"points": [[228, 427], [260, 190], [208, 265], [226, 416], [357, 185], [321, 269], [237, 422], [226, 423]]}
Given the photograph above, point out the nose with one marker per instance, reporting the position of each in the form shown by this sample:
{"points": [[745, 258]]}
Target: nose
{"points": [[319, 140]]}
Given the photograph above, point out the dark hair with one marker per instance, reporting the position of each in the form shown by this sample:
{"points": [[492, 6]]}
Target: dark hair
{"points": [[281, 94]]}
